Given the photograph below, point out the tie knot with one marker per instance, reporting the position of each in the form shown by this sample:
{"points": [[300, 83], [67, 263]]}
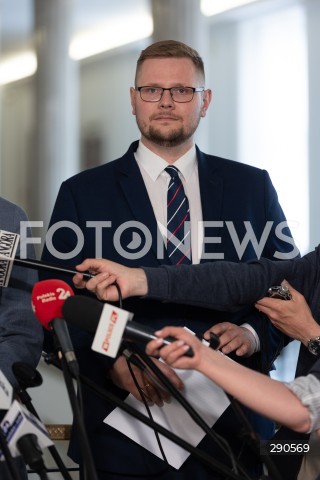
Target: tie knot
{"points": [[173, 172]]}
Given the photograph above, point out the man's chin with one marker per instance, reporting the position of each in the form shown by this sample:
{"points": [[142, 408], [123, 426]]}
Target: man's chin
{"points": [[172, 139]]}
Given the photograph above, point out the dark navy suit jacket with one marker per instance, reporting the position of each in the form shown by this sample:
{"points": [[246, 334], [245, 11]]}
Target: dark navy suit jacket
{"points": [[115, 193]]}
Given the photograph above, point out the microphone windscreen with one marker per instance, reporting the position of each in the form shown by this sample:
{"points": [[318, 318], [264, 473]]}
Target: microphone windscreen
{"points": [[26, 375], [82, 312], [48, 297]]}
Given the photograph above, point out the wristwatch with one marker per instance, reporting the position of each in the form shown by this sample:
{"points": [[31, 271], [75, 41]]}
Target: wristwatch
{"points": [[314, 346]]}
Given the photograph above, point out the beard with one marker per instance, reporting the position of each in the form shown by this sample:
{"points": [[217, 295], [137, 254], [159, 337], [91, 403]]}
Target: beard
{"points": [[171, 138]]}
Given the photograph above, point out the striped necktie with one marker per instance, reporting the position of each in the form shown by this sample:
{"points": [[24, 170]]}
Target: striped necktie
{"points": [[178, 213]]}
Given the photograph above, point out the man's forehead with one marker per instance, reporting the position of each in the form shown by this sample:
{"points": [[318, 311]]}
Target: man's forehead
{"points": [[175, 69]]}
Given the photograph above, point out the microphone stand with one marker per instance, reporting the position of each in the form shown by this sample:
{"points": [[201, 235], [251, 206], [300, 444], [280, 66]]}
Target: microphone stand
{"points": [[220, 441], [26, 400], [253, 440], [89, 468], [116, 402]]}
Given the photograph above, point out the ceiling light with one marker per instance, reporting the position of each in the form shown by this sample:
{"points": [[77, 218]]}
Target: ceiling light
{"points": [[110, 35], [213, 7], [17, 67]]}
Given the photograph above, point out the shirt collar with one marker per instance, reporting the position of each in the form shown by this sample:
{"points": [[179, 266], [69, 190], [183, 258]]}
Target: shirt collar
{"points": [[154, 165]]}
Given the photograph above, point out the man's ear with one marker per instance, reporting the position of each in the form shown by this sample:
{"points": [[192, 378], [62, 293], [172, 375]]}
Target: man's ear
{"points": [[207, 97], [133, 100]]}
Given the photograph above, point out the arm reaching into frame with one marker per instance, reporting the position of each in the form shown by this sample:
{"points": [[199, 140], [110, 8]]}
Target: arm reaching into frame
{"points": [[268, 397], [218, 285]]}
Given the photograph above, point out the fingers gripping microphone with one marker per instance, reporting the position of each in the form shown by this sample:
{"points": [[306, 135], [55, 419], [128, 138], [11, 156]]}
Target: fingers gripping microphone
{"points": [[8, 247], [110, 324], [48, 297]]}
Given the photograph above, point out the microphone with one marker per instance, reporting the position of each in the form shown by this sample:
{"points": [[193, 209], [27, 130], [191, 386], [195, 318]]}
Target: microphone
{"points": [[19, 423], [26, 375], [8, 246], [110, 324], [48, 297]]}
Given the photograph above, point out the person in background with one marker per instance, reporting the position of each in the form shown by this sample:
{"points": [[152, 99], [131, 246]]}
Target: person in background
{"points": [[128, 210], [21, 334]]}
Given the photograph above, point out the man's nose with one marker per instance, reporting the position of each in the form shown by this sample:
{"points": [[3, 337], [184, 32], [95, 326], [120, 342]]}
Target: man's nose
{"points": [[166, 99]]}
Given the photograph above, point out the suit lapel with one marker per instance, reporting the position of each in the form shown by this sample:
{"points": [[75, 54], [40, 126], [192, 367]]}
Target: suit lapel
{"points": [[211, 193], [136, 195], [211, 188]]}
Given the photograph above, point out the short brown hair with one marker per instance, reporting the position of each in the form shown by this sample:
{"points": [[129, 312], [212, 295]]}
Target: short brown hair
{"points": [[171, 49]]}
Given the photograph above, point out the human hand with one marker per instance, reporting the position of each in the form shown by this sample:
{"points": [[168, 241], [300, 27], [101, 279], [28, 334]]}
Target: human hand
{"points": [[121, 376], [131, 281], [293, 317], [233, 339], [174, 354]]}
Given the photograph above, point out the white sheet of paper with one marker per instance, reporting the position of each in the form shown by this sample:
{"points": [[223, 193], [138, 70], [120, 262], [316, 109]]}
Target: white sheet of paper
{"points": [[208, 400]]}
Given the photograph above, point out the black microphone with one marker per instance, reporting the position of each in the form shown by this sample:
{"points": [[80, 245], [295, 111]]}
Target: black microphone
{"points": [[20, 428], [44, 266], [9, 242], [110, 324], [26, 375]]}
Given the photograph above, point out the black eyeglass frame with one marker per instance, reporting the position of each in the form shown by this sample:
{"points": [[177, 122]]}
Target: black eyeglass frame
{"points": [[194, 90]]}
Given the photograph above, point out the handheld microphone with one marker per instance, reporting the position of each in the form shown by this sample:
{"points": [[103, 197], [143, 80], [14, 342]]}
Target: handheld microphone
{"points": [[110, 324], [8, 247], [18, 423], [48, 297]]}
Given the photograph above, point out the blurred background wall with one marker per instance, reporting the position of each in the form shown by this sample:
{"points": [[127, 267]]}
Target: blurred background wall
{"points": [[65, 71]]}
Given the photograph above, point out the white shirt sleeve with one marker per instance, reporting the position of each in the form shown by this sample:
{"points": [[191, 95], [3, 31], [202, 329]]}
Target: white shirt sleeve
{"points": [[307, 389]]}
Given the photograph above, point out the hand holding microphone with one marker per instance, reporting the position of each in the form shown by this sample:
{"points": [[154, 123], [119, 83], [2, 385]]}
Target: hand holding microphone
{"points": [[174, 354], [132, 281]]}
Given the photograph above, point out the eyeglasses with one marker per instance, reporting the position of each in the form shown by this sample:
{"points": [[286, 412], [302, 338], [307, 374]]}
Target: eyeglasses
{"points": [[178, 94]]}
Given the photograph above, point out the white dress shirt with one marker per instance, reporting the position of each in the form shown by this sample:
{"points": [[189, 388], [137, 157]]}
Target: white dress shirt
{"points": [[156, 180]]}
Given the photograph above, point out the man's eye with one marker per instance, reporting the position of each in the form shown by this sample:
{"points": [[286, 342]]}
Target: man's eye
{"points": [[152, 90], [181, 91]]}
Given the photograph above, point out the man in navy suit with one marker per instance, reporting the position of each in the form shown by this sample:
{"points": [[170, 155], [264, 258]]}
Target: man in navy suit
{"points": [[20, 333], [114, 211]]}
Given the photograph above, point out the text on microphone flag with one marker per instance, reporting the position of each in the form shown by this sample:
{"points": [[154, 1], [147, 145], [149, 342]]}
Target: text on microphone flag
{"points": [[8, 246], [48, 297]]}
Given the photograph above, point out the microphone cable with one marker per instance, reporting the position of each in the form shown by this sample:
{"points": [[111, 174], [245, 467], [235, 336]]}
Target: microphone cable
{"points": [[202, 456], [216, 438], [132, 359], [144, 399]]}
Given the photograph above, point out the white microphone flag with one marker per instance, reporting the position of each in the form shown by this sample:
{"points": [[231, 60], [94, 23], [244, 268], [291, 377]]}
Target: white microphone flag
{"points": [[6, 392], [18, 422], [8, 246], [109, 333]]}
